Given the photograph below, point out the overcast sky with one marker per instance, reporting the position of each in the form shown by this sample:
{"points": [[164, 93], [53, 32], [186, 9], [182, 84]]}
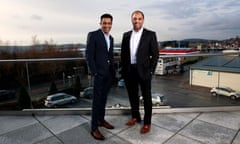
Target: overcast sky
{"points": [[69, 21]]}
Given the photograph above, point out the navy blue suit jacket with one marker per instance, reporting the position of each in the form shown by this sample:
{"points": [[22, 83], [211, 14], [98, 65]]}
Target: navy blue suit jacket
{"points": [[99, 58]]}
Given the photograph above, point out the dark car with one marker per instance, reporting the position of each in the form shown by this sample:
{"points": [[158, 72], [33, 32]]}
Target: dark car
{"points": [[7, 95]]}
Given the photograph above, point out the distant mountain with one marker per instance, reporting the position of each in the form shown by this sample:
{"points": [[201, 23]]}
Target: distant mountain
{"points": [[173, 43], [197, 40], [41, 46]]}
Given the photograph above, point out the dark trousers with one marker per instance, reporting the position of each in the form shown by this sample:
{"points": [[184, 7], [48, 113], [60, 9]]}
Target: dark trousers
{"points": [[133, 81], [102, 85]]}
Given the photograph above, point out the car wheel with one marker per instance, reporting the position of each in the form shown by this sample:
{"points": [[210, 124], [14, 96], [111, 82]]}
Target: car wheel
{"points": [[233, 97], [158, 104], [214, 94]]}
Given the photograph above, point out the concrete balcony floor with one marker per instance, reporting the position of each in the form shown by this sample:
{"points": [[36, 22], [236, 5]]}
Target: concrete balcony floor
{"points": [[167, 128]]}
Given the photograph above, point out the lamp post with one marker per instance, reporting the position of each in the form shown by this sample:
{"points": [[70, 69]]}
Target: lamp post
{"points": [[75, 70], [69, 80], [63, 76], [28, 79]]}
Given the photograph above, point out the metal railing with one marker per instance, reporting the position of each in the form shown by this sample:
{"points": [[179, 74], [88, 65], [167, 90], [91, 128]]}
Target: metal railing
{"points": [[86, 110]]}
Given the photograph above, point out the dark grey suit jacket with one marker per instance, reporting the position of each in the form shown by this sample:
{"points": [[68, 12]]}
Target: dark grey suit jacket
{"points": [[100, 60], [147, 54]]}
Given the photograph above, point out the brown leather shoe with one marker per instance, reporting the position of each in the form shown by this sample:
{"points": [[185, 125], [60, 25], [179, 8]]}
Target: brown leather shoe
{"points": [[97, 135], [145, 128], [106, 125], [132, 121]]}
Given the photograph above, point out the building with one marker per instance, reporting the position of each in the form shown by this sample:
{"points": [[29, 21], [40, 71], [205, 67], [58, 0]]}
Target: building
{"points": [[171, 65], [167, 66], [216, 71]]}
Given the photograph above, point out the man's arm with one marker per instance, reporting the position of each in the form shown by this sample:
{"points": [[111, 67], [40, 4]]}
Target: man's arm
{"points": [[90, 53], [154, 52]]}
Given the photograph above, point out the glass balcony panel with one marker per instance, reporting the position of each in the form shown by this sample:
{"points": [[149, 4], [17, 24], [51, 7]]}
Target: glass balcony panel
{"points": [[177, 84]]}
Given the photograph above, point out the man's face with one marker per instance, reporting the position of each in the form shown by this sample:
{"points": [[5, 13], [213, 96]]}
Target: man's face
{"points": [[106, 25], [137, 21]]}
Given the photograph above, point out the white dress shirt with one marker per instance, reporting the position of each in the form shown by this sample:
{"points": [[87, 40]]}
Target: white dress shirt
{"points": [[107, 38], [134, 42]]}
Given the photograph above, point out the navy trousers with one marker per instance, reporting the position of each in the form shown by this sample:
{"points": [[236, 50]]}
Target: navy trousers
{"points": [[101, 88]]}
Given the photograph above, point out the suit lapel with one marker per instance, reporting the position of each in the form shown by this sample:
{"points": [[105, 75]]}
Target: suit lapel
{"points": [[111, 44], [128, 37], [103, 39], [142, 39]]}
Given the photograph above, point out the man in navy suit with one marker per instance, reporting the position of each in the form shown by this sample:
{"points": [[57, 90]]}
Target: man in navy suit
{"points": [[139, 56], [99, 55]]}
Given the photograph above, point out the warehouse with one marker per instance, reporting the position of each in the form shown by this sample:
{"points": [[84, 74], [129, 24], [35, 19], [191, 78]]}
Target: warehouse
{"points": [[216, 71]]}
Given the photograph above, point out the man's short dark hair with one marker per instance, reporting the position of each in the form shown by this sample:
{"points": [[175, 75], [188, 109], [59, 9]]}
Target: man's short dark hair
{"points": [[138, 11], [106, 15]]}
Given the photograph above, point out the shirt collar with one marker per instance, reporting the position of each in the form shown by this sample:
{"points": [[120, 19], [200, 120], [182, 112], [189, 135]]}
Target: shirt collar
{"points": [[140, 31], [106, 35]]}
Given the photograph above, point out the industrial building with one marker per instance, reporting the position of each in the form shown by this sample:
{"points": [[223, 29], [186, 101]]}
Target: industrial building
{"points": [[223, 71], [171, 65]]}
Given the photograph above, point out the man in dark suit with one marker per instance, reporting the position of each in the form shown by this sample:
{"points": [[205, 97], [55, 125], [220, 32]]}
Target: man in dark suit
{"points": [[99, 55], [139, 56]]}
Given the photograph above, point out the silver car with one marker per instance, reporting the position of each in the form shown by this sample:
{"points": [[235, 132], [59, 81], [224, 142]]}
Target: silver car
{"points": [[121, 83], [87, 92], [225, 91], [59, 99], [157, 99]]}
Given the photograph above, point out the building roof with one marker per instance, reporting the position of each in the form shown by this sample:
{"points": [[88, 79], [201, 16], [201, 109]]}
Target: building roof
{"points": [[219, 63]]}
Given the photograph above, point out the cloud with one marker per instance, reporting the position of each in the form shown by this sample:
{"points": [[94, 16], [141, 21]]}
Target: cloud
{"points": [[36, 17], [71, 21], [178, 9]]}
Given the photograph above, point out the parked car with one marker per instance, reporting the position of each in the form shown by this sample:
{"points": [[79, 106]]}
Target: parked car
{"points": [[225, 91], [157, 99], [118, 105], [121, 83], [87, 92], [59, 99], [7, 95]]}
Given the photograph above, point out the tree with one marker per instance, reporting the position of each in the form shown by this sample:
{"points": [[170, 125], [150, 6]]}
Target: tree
{"points": [[53, 88], [24, 99]]}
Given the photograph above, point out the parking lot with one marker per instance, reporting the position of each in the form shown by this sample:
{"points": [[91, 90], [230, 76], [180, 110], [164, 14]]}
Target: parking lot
{"points": [[176, 90]]}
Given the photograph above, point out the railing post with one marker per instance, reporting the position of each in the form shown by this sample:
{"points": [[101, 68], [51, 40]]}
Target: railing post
{"points": [[28, 79]]}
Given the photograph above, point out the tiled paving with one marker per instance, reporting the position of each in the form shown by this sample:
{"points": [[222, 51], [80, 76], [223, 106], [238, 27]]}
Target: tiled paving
{"points": [[173, 128]]}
